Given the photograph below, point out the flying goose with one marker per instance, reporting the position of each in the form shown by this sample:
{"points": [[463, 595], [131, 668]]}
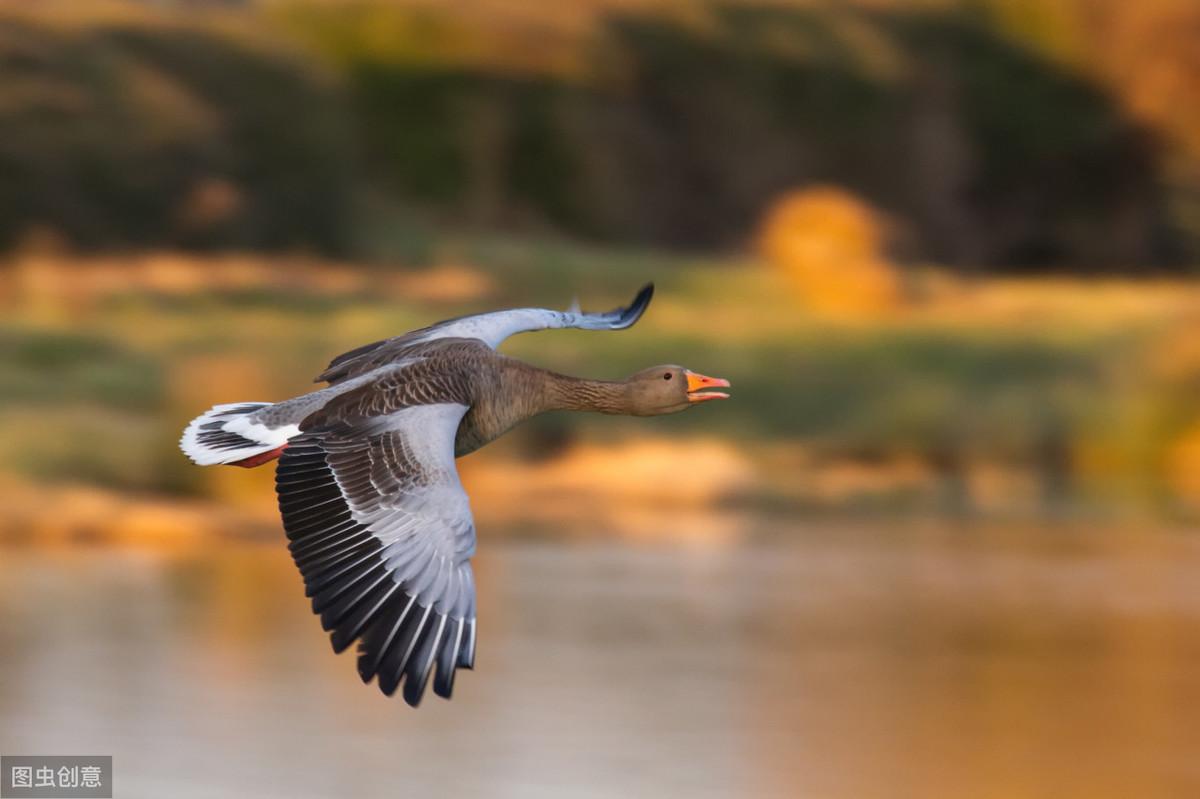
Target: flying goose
{"points": [[377, 520]]}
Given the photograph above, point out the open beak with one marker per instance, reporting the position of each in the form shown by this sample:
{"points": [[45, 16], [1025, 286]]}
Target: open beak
{"points": [[699, 387]]}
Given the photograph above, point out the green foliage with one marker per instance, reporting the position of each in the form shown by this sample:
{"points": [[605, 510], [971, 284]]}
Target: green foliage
{"points": [[269, 129], [127, 132], [681, 133], [79, 407], [1050, 149], [410, 130], [64, 368]]}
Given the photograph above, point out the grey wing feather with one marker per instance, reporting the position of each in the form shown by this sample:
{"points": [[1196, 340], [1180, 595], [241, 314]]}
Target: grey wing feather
{"points": [[491, 328], [382, 532]]}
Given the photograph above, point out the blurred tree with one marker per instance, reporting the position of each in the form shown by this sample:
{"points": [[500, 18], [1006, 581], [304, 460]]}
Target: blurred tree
{"points": [[1005, 133], [132, 130], [679, 130]]}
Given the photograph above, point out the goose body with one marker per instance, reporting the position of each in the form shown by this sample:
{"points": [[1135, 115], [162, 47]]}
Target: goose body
{"points": [[377, 520]]}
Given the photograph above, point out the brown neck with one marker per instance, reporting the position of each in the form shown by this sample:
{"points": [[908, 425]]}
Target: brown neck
{"points": [[562, 392], [510, 391]]}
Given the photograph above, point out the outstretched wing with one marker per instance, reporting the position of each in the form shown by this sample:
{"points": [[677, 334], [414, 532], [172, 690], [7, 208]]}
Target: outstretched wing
{"points": [[490, 328], [493, 328], [381, 530]]}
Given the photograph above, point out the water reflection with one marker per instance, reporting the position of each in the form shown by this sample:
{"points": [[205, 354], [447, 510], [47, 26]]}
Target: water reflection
{"points": [[851, 663]]}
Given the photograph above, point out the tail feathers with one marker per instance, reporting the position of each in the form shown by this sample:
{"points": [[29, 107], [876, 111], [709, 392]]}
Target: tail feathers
{"points": [[230, 434]]}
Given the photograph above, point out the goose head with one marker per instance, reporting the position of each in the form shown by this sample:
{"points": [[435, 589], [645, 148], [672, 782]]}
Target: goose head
{"points": [[670, 389]]}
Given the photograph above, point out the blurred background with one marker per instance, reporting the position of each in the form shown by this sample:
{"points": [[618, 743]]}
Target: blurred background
{"points": [[941, 542]]}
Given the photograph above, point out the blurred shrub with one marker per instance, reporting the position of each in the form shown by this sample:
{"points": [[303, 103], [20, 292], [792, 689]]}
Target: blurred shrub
{"points": [[1146, 53], [132, 129], [62, 368], [975, 123], [831, 246], [679, 130]]}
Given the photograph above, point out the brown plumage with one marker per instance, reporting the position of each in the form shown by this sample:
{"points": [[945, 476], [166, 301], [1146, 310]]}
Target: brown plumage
{"points": [[378, 522]]}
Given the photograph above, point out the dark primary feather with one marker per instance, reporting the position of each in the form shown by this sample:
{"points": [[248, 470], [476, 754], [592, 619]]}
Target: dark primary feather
{"points": [[338, 488], [626, 317]]}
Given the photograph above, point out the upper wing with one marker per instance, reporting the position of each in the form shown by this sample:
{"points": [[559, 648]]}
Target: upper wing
{"points": [[381, 530], [490, 328]]}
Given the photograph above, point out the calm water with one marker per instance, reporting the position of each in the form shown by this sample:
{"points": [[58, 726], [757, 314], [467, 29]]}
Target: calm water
{"points": [[829, 664]]}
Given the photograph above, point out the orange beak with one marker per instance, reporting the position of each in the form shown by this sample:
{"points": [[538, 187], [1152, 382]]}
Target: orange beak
{"points": [[698, 386]]}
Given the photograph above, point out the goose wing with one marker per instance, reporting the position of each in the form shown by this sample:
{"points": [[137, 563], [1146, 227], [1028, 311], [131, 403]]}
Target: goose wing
{"points": [[381, 530], [490, 328]]}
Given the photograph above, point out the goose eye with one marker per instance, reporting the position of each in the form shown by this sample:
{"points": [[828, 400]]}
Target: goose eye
{"points": [[667, 376]]}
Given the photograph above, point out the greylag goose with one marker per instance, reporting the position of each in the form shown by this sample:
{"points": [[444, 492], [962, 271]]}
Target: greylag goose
{"points": [[377, 520]]}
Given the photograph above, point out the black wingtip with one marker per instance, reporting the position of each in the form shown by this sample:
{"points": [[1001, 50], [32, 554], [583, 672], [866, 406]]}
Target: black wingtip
{"points": [[636, 308]]}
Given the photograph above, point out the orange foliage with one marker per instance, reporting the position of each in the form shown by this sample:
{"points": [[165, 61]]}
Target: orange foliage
{"points": [[830, 244]]}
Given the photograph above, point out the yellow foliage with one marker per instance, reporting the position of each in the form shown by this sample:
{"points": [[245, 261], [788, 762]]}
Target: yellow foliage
{"points": [[1183, 467], [830, 244]]}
